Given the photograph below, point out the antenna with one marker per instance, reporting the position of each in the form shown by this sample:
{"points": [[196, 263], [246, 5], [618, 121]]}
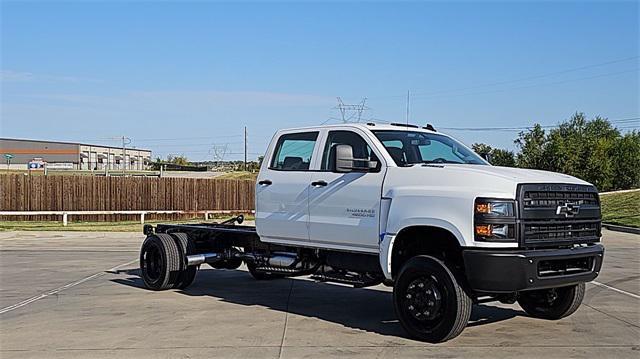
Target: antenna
{"points": [[408, 97]]}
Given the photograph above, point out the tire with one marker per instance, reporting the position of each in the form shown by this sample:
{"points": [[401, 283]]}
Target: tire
{"points": [[187, 273], [259, 275], [429, 302], [159, 261], [554, 303]]}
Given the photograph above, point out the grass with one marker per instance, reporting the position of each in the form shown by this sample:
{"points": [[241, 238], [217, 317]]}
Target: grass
{"points": [[621, 208], [126, 226], [240, 175]]}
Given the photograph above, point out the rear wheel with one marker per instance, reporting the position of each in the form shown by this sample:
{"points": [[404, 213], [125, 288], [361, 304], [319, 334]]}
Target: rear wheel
{"points": [[429, 302], [187, 273], [554, 303], [160, 261]]}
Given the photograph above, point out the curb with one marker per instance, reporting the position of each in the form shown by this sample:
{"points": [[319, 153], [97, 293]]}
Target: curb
{"points": [[621, 191], [617, 228]]}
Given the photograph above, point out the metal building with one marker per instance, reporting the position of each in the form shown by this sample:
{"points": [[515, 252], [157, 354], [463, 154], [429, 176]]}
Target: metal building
{"points": [[18, 153]]}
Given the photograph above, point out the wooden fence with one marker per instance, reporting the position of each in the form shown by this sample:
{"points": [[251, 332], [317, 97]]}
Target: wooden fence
{"points": [[89, 193]]}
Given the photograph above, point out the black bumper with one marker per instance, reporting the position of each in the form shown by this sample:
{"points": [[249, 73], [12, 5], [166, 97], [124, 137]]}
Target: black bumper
{"points": [[504, 271]]}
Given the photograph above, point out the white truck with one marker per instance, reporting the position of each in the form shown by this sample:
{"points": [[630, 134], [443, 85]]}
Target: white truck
{"points": [[365, 204]]}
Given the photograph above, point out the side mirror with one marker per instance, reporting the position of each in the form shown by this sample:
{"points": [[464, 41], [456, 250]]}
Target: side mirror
{"points": [[344, 161], [344, 158]]}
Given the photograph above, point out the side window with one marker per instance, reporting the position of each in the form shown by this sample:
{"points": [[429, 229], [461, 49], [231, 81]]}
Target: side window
{"points": [[361, 149], [293, 151]]}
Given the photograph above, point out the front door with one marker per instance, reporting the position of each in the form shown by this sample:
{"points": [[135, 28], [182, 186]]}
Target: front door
{"points": [[282, 190], [344, 208]]}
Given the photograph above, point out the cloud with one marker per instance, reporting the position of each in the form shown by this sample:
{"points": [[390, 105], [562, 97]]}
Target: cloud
{"points": [[192, 99], [24, 76], [15, 76], [232, 98]]}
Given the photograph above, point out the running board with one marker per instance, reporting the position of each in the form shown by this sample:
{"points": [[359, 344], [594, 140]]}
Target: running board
{"points": [[357, 281]]}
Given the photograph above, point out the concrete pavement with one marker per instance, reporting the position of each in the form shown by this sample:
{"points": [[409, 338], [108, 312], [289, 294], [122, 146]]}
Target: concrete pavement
{"points": [[58, 301]]}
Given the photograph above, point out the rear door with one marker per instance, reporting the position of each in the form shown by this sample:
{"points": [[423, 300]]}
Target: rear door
{"points": [[282, 190], [344, 208]]}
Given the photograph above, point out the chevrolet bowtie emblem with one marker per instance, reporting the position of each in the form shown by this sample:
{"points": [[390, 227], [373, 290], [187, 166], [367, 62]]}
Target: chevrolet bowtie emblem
{"points": [[569, 209]]}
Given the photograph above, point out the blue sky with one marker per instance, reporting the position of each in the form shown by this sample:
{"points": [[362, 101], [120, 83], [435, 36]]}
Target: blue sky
{"points": [[180, 77]]}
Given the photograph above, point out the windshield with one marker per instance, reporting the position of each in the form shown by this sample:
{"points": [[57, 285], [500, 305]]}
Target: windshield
{"points": [[411, 147]]}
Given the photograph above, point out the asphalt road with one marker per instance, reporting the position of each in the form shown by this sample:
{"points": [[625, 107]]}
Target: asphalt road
{"points": [[79, 295]]}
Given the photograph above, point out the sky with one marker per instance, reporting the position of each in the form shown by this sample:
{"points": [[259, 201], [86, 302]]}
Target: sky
{"points": [[184, 78]]}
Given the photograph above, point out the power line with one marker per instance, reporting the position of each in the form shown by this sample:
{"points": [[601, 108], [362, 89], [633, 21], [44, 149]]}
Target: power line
{"points": [[624, 121], [526, 78], [529, 86]]}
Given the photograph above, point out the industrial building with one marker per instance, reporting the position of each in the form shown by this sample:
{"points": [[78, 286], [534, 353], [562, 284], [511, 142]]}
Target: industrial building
{"points": [[19, 153]]}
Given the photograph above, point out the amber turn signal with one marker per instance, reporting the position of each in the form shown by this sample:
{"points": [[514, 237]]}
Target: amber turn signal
{"points": [[484, 230], [483, 208]]}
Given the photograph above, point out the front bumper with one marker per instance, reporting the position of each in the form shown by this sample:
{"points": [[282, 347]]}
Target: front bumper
{"points": [[505, 271]]}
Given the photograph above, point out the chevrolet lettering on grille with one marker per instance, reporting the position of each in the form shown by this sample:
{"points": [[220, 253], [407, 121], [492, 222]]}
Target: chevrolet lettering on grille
{"points": [[569, 209]]}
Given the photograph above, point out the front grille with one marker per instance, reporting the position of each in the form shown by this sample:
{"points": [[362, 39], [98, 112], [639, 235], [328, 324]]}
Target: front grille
{"points": [[537, 199], [558, 214], [567, 230]]}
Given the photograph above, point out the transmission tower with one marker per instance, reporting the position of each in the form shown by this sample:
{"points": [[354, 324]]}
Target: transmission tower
{"points": [[219, 152], [351, 112]]}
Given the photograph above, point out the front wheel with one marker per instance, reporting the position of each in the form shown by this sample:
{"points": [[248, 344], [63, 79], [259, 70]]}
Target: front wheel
{"points": [[554, 303], [429, 302]]}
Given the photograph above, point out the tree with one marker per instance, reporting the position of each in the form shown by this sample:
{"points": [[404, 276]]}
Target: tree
{"points": [[533, 149], [500, 157], [626, 161], [482, 149], [178, 160], [496, 156], [592, 150]]}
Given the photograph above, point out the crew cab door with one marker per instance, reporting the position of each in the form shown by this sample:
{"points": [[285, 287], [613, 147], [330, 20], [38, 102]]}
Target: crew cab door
{"points": [[344, 208], [282, 189]]}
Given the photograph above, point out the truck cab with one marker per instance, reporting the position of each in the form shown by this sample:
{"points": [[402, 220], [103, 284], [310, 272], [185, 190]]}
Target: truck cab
{"points": [[415, 209]]}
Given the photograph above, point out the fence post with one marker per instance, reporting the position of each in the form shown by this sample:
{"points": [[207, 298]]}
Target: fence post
{"points": [[64, 218], [142, 218]]}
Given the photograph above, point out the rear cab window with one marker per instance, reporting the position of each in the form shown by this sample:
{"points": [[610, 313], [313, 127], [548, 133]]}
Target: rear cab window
{"points": [[293, 151]]}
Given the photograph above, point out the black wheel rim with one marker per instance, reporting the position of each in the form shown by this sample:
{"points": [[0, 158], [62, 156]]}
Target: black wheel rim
{"points": [[152, 262], [424, 302]]}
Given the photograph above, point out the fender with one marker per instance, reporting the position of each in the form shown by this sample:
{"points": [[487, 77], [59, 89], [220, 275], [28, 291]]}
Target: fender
{"points": [[388, 240]]}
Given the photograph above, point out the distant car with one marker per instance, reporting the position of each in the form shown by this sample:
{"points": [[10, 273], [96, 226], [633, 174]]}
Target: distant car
{"points": [[408, 207]]}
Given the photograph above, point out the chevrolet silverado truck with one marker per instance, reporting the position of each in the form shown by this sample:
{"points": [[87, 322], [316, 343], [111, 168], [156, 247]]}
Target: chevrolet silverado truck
{"points": [[404, 206]]}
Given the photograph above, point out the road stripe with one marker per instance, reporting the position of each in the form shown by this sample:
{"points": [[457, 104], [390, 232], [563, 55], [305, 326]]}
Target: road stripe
{"points": [[615, 289], [60, 289]]}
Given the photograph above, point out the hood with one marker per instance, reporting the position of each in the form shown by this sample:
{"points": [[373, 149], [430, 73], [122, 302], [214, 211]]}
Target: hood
{"points": [[467, 180], [519, 175]]}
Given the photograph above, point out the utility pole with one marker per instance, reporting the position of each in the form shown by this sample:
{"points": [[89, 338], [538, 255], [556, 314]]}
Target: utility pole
{"points": [[125, 141], [245, 148]]}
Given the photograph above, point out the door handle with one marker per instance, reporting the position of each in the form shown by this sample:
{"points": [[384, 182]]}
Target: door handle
{"points": [[265, 182], [319, 183]]}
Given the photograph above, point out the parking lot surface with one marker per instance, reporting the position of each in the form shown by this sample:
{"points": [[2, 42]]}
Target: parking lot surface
{"points": [[78, 295]]}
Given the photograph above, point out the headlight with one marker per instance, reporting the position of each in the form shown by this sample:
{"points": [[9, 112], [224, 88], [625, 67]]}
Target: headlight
{"points": [[494, 220], [494, 207]]}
